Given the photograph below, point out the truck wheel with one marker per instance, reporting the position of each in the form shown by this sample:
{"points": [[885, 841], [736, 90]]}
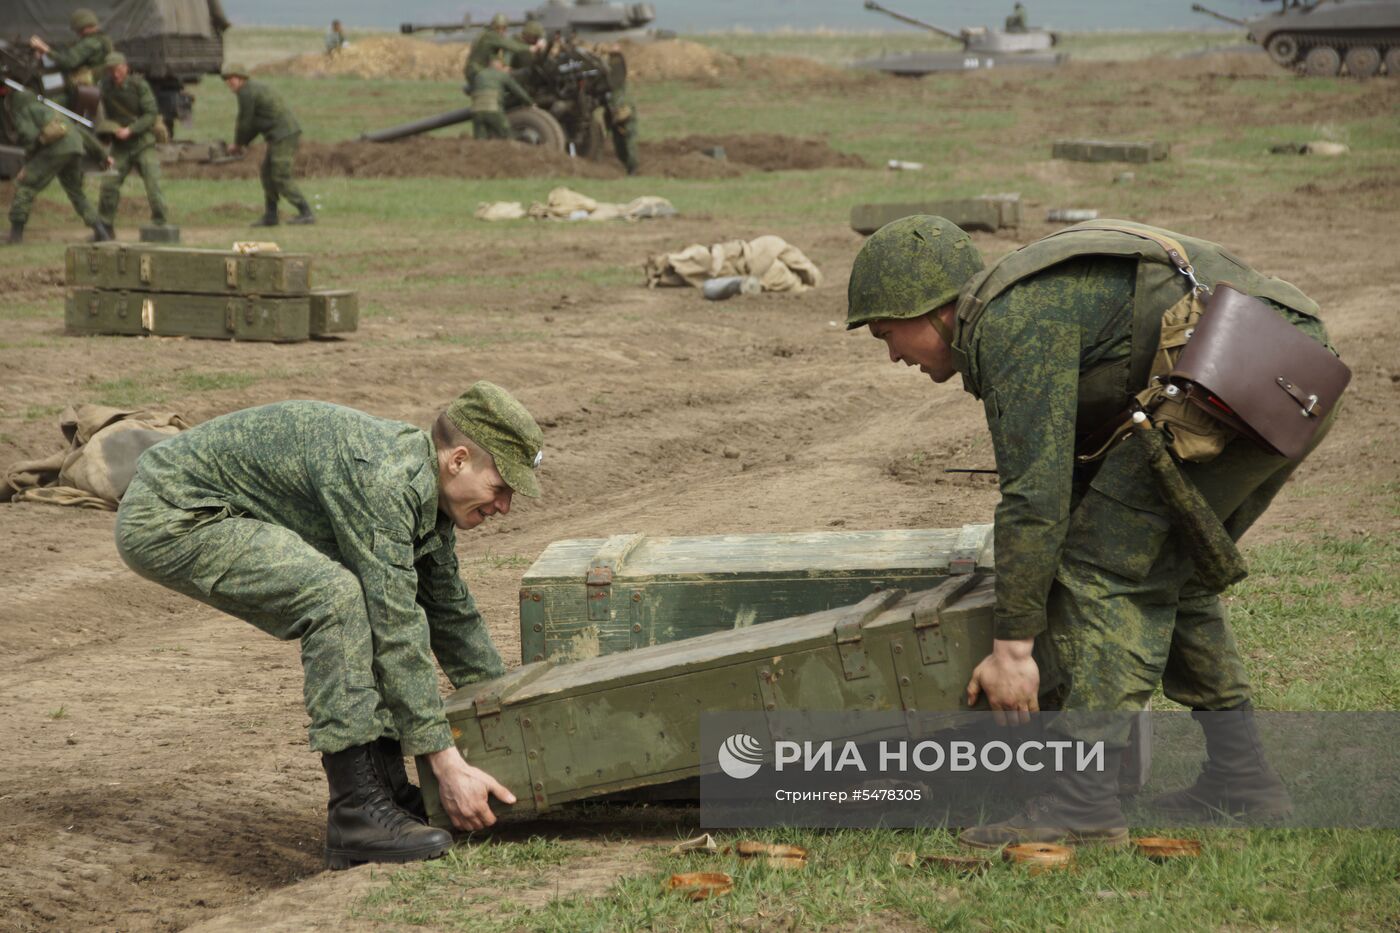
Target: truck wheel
{"points": [[536, 127], [1322, 62], [1283, 49], [1363, 61]]}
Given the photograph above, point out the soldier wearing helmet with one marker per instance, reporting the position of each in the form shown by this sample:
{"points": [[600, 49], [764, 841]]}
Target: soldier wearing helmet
{"points": [[262, 112], [129, 102], [1097, 601], [492, 43], [81, 62]]}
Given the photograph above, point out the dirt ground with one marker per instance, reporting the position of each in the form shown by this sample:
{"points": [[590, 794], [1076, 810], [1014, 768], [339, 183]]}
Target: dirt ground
{"points": [[156, 773]]}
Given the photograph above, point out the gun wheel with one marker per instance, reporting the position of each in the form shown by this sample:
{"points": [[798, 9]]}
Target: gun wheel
{"points": [[536, 127]]}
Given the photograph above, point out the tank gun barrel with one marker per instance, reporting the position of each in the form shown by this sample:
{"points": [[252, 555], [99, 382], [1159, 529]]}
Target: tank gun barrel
{"points": [[1197, 8], [56, 107], [872, 5]]}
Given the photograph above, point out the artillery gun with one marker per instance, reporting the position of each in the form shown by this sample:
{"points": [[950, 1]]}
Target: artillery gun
{"points": [[982, 48], [1319, 38], [590, 19], [569, 84]]}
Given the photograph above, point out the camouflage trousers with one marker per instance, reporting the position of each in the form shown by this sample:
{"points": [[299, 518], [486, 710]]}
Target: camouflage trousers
{"points": [[276, 174], [1127, 610], [624, 137], [272, 578], [145, 163], [39, 171], [490, 124]]}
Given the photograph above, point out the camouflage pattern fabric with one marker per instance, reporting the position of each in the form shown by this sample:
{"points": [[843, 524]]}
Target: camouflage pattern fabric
{"points": [[133, 105], [486, 47], [275, 172], [320, 523], [80, 61], [61, 159], [493, 418], [908, 268], [262, 112], [146, 164], [490, 85], [622, 123]]}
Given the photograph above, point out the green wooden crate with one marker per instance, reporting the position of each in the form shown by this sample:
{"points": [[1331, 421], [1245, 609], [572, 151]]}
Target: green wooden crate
{"points": [[148, 267], [1099, 150], [557, 732], [595, 596], [334, 311], [98, 311]]}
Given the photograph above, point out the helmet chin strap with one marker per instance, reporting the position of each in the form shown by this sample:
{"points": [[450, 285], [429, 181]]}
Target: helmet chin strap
{"points": [[939, 326]]}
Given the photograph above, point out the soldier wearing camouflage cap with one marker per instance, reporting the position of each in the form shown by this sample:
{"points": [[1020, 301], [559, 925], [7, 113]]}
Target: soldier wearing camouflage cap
{"points": [[129, 102], [81, 62], [492, 43], [262, 112], [1094, 578], [322, 523]]}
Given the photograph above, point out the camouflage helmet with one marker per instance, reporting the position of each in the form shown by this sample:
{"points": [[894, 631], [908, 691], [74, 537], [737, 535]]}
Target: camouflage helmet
{"points": [[499, 21], [82, 18], [532, 30], [908, 268], [114, 59], [233, 70]]}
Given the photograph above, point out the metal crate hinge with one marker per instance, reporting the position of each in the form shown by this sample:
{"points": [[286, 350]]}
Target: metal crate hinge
{"points": [[903, 673], [488, 717], [231, 273], [534, 760], [849, 631], [145, 269], [928, 616], [601, 570]]}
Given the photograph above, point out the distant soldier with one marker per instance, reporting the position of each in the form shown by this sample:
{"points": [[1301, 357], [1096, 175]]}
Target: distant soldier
{"points": [[531, 35], [620, 114], [491, 44], [488, 88], [129, 102], [1016, 22], [82, 61], [262, 112], [53, 148], [335, 39]]}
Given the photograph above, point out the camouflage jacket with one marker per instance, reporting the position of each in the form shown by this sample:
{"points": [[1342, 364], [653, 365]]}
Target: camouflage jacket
{"points": [[487, 88], [133, 105], [89, 53], [261, 112], [363, 491], [486, 47], [27, 116]]}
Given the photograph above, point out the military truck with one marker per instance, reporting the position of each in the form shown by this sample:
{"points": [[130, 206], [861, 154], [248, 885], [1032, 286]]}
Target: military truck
{"points": [[172, 42], [982, 48], [1322, 37]]}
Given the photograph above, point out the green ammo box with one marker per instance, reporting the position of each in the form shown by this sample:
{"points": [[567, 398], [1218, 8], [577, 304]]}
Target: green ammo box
{"points": [[235, 317], [557, 732], [596, 596], [153, 268], [334, 311], [160, 233]]}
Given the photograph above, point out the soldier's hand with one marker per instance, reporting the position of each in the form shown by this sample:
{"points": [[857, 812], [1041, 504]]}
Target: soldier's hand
{"points": [[39, 45], [109, 163], [465, 790], [1010, 679], [123, 133]]}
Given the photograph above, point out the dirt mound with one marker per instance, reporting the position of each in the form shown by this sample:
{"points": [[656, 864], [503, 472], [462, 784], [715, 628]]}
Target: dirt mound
{"points": [[675, 60], [768, 152], [379, 57]]}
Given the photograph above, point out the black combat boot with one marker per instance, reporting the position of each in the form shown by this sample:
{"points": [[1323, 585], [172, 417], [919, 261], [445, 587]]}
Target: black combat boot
{"points": [[268, 219], [101, 233], [16, 234], [304, 215], [363, 824], [1082, 807], [388, 762], [1236, 779]]}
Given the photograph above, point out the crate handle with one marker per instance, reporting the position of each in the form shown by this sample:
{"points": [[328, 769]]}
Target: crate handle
{"points": [[231, 272]]}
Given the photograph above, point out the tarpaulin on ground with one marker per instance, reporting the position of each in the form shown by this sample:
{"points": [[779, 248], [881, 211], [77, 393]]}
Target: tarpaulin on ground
{"points": [[99, 462], [120, 19], [777, 264], [567, 204]]}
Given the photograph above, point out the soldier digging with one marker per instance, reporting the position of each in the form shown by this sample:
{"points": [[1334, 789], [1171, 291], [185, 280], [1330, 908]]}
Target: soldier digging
{"points": [[322, 523], [261, 112], [1093, 573]]}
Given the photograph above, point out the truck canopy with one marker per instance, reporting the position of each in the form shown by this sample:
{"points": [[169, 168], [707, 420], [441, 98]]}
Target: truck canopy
{"points": [[122, 20]]}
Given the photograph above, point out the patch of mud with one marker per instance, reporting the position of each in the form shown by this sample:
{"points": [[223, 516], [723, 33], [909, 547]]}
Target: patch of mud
{"points": [[768, 152]]}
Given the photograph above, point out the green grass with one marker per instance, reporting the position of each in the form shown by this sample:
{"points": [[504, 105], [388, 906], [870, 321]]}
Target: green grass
{"points": [[155, 386]]}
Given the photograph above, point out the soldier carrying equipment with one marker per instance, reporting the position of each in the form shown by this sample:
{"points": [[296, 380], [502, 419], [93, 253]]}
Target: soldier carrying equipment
{"points": [[81, 62], [321, 523], [261, 112], [129, 102], [1056, 339]]}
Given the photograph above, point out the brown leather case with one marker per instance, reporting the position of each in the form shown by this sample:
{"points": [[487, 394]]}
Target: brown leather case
{"points": [[1247, 365]]}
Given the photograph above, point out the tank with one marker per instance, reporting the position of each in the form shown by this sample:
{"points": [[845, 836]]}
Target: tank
{"points": [[172, 42], [1327, 37], [982, 47], [585, 19]]}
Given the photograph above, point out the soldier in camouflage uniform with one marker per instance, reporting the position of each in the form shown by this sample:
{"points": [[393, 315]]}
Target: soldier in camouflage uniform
{"points": [[261, 112], [128, 100], [81, 62], [1092, 575], [53, 148], [490, 45], [1016, 22], [620, 115], [488, 87], [324, 524]]}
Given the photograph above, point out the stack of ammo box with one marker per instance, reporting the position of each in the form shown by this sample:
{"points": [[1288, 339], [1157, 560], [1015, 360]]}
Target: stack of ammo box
{"points": [[168, 291]]}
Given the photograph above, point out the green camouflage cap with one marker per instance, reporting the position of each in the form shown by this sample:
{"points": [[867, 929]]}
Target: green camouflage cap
{"points": [[492, 417], [113, 60], [499, 21], [532, 30], [82, 18], [233, 70], [908, 268]]}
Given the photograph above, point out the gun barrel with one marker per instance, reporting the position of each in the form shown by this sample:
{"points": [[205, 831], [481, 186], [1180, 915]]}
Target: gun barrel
{"points": [[52, 105], [872, 5], [1197, 8], [413, 128]]}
